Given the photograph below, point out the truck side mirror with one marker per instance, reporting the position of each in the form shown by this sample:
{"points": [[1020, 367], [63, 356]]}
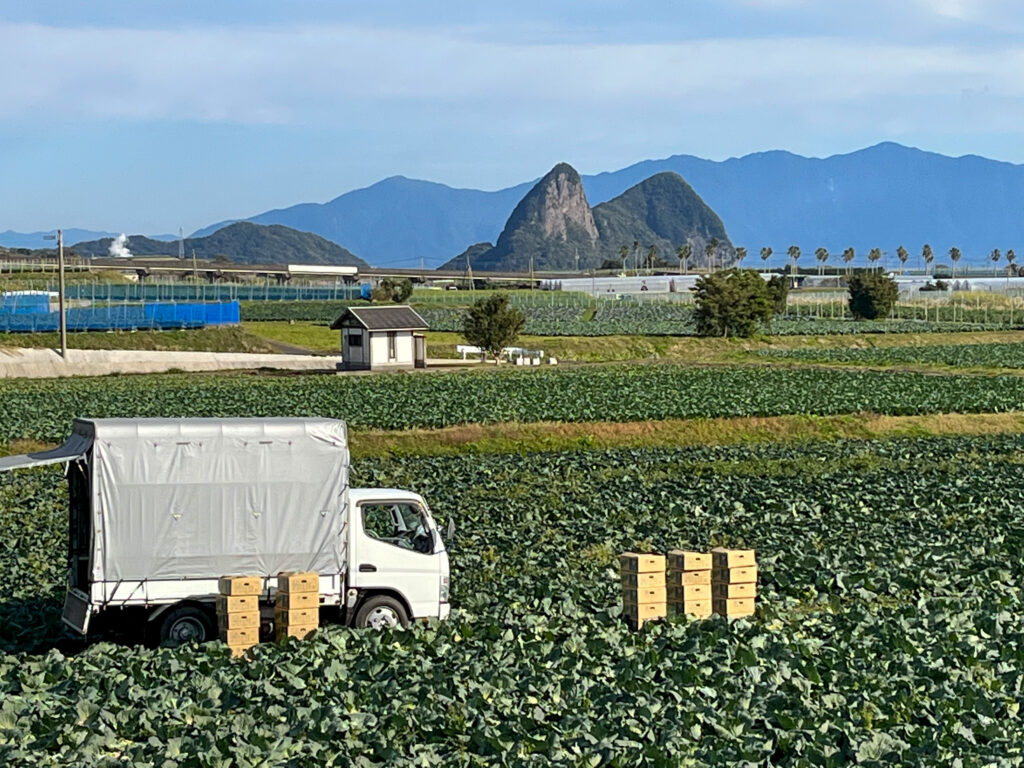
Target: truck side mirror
{"points": [[449, 533]]}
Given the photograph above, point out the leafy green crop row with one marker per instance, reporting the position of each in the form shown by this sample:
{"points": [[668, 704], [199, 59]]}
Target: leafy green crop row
{"points": [[1007, 355], [43, 409], [890, 626]]}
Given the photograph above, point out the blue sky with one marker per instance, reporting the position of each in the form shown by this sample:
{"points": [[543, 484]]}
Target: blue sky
{"points": [[146, 116]]}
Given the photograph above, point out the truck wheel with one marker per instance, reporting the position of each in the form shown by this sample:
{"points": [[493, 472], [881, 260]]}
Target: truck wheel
{"points": [[186, 624], [381, 612]]}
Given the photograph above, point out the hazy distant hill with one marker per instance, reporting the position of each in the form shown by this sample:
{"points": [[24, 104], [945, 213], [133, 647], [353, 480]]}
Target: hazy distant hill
{"points": [[663, 211], [242, 242], [882, 196]]}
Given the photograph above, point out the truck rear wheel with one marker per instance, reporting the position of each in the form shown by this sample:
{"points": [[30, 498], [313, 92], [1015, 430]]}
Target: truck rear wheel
{"points": [[381, 612], [186, 624]]}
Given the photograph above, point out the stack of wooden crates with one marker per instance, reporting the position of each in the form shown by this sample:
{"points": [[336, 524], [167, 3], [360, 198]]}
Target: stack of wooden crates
{"points": [[689, 583], [643, 588], [733, 581], [238, 612], [297, 604]]}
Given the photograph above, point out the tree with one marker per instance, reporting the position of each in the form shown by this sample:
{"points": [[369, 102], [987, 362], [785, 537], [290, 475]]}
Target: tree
{"points": [[821, 254], [1010, 258], [872, 295], [928, 256], [732, 303], [491, 324], [778, 292], [954, 256], [624, 253], [766, 255], [902, 254], [684, 252], [395, 291], [652, 257], [848, 256], [995, 256], [710, 249], [794, 254], [741, 254], [636, 256], [874, 255]]}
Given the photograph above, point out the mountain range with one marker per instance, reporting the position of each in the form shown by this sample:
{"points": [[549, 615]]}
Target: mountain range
{"points": [[243, 242], [882, 196]]}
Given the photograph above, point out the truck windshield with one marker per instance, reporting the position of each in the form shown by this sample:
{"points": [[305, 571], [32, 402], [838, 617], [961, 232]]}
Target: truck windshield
{"points": [[399, 524]]}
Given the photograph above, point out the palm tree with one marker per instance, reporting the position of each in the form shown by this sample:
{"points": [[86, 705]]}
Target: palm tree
{"points": [[927, 255], [652, 257], [849, 255], [794, 254], [766, 255], [995, 256], [821, 254], [636, 257], [624, 253], [874, 255], [1010, 257], [684, 252], [902, 255], [710, 250], [741, 254], [954, 256]]}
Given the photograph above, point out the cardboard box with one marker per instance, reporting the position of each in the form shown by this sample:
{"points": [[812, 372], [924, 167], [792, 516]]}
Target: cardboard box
{"points": [[631, 562], [643, 596], [240, 585], [735, 575], [681, 594], [298, 581], [731, 591], [300, 631], [734, 608], [238, 620], [237, 651], [291, 601], [688, 578], [700, 609], [684, 560], [240, 637], [643, 580], [645, 611], [298, 617], [732, 558], [237, 603]]}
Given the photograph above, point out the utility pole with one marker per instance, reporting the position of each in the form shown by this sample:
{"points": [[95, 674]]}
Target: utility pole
{"points": [[60, 292], [531, 273]]}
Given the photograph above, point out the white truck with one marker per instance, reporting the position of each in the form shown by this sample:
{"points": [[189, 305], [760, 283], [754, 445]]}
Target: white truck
{"points": [[161, 508]]}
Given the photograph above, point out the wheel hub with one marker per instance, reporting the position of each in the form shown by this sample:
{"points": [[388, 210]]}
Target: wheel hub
{"points": [[382, 617]]}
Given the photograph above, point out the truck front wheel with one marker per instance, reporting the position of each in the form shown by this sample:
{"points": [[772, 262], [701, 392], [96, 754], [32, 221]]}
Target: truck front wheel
{"points": [[381, 612], [186, 624]]}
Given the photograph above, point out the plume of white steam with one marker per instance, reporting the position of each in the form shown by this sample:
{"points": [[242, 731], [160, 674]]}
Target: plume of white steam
{"points": [[119, 247]]}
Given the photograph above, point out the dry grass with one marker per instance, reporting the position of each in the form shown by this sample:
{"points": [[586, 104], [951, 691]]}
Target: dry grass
{"points": [[548, 436]]}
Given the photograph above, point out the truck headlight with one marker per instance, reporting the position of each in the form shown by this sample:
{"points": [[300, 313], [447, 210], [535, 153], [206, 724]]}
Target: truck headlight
{"points": [[445, 584]]}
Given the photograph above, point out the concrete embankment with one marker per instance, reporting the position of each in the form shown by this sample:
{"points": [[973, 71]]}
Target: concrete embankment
{"points": [[47, 363]]}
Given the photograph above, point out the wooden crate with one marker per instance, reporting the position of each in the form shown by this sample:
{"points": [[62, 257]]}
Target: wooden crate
{"points": [[688, 578], [644, 596], [291, 601], [733, 608], [684, 560], [732, 558], [240, 585], [746, 575], [733, 590], [643, 580], [682, 593], [238, 620], [298, 581], [631, 562]]}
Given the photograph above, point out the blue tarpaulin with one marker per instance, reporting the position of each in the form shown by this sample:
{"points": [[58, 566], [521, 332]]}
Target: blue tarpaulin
{"points": [[125, 317]]}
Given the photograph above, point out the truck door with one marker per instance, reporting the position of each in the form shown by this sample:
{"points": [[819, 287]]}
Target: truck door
{"points": [[396, 548]]}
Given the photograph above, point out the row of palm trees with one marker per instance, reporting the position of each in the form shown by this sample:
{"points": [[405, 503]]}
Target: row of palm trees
{"points": [[711, 252]]}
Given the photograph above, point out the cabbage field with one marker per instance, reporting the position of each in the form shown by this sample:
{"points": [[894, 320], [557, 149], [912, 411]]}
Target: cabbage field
{"points": [[992, 355], [43, 409], [890, 626]]}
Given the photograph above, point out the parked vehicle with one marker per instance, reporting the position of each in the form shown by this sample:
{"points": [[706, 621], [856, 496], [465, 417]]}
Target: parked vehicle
{"points": [[161, 508]]}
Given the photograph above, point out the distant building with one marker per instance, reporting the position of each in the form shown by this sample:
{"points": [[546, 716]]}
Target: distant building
{"points": [[381, 338]]}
